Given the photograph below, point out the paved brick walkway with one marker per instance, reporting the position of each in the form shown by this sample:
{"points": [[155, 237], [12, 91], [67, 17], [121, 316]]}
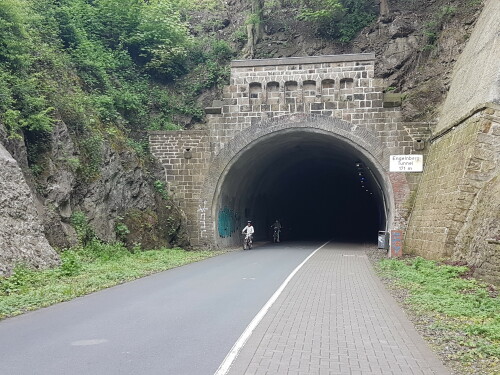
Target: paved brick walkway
{"points": [[335, 317]]}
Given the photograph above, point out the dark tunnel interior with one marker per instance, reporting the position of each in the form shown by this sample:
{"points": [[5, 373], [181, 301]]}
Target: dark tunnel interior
{"points": [[318, 186]]}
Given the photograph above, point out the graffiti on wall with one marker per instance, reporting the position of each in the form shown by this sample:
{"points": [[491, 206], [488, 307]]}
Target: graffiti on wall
{"points": [[396, 243], [202, 211], [227, 222]]}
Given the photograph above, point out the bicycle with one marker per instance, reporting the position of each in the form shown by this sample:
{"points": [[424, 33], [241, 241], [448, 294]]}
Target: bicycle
{"points": [[247, 242], [276, 235]]}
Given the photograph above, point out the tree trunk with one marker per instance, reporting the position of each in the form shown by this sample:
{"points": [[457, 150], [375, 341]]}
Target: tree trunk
{"points": [[384, 8], [254, 28]]}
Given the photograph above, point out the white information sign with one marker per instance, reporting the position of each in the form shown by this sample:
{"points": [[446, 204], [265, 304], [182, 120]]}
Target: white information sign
{"points": [[406, 163]]}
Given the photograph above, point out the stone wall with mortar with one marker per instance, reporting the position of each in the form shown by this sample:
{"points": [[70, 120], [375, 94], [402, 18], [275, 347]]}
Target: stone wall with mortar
{"points": [[456, 213], [269, 91], [185, 157], [338, 86], [395, 185], [457, 206]]}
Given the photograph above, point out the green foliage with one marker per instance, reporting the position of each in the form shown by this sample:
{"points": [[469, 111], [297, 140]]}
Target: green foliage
{"points": [[74, 163], [322, 11], [212, 70], [240, 36], [84, 270], [141, 148], [70, 263], [21, 279], [91, 158], [137, 247], [160, 188], [171, 227], [22, 99], [462, 303], [161, 39], [13, 34], [82, 227], [433, 28], [338, 19], [121, 230], [36, 170], [97, 251], [101, 63], [253, 19]]}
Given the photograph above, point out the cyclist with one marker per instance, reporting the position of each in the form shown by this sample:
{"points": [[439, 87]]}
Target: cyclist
{"points": [[249, 231], [277, 229]]}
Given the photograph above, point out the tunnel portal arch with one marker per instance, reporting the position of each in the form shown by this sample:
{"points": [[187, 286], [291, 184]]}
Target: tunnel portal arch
{"points": [[306, 164], [333, 105]]}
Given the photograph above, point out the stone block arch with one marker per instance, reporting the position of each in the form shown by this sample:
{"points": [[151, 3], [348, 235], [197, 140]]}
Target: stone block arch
{"points": [[361, 144], [340, 126]]}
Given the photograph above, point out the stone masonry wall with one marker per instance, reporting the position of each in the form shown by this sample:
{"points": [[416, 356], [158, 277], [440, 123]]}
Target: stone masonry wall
{"points": [[340, 86], [185, 155], [457, 213], [456, 190], [336, 87], [478, 241]]}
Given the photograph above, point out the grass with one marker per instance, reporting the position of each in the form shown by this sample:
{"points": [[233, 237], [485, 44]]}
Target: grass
{"points": [[84, 270], [459, 315]]}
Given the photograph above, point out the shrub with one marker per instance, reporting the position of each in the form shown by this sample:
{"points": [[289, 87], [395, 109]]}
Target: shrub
{"points": [[21, 278], [160, 188], [91, 158], [121, 230], [84, 231], [70, 264], [338, 19]]}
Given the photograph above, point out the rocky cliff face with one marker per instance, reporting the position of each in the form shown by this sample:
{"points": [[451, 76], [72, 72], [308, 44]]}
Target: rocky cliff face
{"points": [[476, 75], [38, 203], [416, 44], [22, 239]]}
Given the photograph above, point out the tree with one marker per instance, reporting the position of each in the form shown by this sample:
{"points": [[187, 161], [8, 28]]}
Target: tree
{"points": [[254, 28], [384, 8]]}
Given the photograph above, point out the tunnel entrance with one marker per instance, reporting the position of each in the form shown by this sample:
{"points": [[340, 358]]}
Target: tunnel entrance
{"points": [[319, 186]]}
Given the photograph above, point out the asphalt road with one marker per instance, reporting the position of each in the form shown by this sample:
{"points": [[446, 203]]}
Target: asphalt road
{"points": [[182, 321]]}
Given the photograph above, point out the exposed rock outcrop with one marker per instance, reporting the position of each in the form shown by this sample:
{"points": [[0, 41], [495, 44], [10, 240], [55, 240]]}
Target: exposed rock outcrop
{"points": [[123, 186], [21, 234], [476, 74]]}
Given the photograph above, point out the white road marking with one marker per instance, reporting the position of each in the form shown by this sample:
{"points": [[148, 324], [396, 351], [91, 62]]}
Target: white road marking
{"points": [[235, 351], [88, 342]]}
